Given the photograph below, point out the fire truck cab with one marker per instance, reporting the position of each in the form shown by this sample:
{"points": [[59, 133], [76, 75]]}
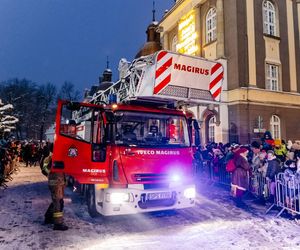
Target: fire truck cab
{"points": [[133, 158]]}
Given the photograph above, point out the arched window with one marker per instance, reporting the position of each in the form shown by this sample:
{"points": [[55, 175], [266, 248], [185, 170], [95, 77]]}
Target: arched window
{"points": [[211, 129], [174, 44], [211, 25], [275, 127], [269, 18]]}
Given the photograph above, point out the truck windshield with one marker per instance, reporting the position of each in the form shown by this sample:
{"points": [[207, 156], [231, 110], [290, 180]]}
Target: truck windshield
{"points": [[148, 130]]}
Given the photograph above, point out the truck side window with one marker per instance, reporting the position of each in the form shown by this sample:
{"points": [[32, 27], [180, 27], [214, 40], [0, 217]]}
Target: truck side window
{"points": [[71, 125]]}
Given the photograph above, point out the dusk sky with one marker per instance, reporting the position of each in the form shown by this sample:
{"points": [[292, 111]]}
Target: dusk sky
{"points": [[69, 40]]}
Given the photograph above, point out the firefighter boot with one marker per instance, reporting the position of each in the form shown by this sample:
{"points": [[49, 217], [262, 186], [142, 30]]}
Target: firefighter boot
{"points": [[58, 222], [60, 227], [48, 220], [49, 215]]}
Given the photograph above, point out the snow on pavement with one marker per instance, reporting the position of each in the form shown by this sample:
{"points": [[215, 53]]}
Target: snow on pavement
{"points": [[214, 223]]}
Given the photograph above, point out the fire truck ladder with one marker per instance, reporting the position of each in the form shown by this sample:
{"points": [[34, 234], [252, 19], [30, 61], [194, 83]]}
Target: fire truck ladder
{"points": [[139, 83], [126, 88]]}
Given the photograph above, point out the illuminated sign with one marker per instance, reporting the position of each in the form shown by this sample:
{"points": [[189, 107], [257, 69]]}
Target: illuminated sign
{"points": [[187, 34]]}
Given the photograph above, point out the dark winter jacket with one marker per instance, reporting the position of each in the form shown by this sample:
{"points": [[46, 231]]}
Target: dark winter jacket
{"points": [[240, 175], [273, 169]]}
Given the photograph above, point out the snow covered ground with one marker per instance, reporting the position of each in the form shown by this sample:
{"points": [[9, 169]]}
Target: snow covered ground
{"points": [[214, 223]]}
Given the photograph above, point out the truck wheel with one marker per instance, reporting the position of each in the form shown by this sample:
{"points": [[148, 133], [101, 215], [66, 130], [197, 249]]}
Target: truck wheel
{"points": [[91, 201]]}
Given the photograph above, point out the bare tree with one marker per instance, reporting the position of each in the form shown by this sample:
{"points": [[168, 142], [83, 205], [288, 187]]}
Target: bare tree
{"points": [[46, 100], [68, 92], [34, 106]]}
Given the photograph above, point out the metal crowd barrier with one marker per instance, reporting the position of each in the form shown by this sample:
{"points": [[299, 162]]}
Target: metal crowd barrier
{"points": [[287, 193], [258, 185], [287, 187], [206, 170], [220, 175]]}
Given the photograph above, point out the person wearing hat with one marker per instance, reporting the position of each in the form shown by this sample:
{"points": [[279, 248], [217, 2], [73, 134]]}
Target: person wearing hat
{"points": [[273, 169], [280, 150], [256, 165], [233, 148], [240, 176], [255, 162], [267, 141]]}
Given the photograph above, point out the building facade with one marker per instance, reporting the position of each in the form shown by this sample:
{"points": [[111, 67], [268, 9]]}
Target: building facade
{"points": [[259, 45]]}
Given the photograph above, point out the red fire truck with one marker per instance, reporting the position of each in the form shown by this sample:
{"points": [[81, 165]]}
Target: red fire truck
{"points": [[135, 156]]}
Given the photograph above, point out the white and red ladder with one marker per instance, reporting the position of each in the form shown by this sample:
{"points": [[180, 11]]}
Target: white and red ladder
{"points": [[166, 77]]}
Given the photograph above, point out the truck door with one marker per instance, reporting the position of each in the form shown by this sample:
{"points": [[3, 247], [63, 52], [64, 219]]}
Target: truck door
{"points": [[80, 148]]}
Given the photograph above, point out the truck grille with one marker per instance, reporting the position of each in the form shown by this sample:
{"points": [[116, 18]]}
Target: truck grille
{"points": [[150, 177]]}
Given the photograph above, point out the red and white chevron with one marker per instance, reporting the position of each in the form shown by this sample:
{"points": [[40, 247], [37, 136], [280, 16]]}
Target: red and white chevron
{"points": [[163, 71], [216, 78]]}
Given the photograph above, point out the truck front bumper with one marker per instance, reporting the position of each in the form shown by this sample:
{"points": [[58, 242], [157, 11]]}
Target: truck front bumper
{"points": [[135, 199]]}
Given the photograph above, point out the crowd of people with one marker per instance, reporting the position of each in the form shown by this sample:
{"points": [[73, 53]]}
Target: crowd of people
{"points": [[253, 168], [31, 153]]}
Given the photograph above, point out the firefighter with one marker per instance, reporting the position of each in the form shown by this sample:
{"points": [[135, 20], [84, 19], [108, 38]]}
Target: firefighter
{"points": [[56, 183]]}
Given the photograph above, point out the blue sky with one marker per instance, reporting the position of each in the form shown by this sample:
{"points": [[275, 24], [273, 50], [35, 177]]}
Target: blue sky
{"points": [[68, 40]]}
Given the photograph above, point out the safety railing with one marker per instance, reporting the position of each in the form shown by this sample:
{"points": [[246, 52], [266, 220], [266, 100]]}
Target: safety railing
{"points": [[217, 174], [259, 186], [284, 193], [287, 193]]}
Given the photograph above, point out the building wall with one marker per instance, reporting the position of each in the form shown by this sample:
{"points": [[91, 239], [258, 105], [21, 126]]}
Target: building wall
{"points": [[231, 43], [296, 9], [245, 117], [241, 42]]}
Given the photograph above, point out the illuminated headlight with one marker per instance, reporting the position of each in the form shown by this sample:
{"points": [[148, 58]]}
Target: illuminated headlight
{"points": [[190, 193], [117, 198], [175, 177]]}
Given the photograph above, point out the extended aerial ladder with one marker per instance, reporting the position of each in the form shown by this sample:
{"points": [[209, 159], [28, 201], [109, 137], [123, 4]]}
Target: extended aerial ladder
{"points": [[167, 77]]}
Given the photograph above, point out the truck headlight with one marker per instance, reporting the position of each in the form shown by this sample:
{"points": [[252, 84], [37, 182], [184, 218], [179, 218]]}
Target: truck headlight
{"points": [[117, 198], [189, 193], [175, 177]]}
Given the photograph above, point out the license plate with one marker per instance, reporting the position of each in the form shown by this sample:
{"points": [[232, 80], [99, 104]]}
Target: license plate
{"points": [[160, 196]]}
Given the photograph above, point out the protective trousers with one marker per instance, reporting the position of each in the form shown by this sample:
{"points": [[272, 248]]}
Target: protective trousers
{"points": [[56, 184]]}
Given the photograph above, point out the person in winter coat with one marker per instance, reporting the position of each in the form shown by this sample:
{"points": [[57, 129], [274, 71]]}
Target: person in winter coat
{"points": [[280, 150], [267, 141], [255, 174], [292, 179], [273, 169], [297, 159], [240, 176], [255, 162]]}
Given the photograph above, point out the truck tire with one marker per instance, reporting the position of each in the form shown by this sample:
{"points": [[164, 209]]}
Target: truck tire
{"points": [[91, 201]]}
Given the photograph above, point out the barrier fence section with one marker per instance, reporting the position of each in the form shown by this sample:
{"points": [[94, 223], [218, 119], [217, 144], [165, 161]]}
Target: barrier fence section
{"points": [[259, 186], [287, 193], [216, 173]]}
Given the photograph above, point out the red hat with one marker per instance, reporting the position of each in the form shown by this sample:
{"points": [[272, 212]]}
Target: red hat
{"points": [[242, 150]]}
